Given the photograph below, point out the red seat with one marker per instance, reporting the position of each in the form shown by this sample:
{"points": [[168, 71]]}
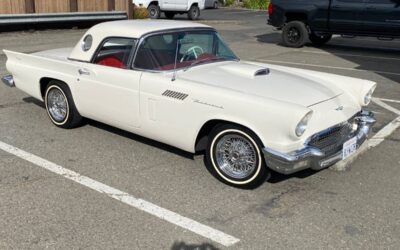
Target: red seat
{"points": [[111, 61]]}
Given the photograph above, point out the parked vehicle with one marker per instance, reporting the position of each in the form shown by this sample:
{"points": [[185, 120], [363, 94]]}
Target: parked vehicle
{"points": [[179, 83], [319, 19], [211, 4], [171, 8]]}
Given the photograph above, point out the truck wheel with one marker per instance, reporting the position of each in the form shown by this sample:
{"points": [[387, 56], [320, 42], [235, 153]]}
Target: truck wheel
{"points": [[234, 156], [154, 11], [294, 34], [319, 40], [216, 5], [194, 12], [60, 106], [169, 15]]}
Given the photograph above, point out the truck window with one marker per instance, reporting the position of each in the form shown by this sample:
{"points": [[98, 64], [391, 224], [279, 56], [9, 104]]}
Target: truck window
{"points": [[115, 52]]}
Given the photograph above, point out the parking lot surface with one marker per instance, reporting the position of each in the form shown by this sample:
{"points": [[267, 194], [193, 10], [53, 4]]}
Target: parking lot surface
{"points": [[353, 209]]}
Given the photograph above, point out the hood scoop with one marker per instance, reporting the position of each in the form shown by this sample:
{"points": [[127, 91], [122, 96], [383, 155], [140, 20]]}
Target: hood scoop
{"points": [[246, 70]]}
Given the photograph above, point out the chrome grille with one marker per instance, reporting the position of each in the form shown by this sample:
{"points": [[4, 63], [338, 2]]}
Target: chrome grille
{"points": [[331, 140]]}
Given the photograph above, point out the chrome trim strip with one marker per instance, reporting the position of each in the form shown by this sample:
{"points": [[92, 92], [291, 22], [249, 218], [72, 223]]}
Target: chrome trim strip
{"points": [[8, 80], [296, 155]]}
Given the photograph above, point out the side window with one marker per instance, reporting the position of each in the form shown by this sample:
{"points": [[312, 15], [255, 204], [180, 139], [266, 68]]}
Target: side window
{"points": [[156, 51], [115, 52]]}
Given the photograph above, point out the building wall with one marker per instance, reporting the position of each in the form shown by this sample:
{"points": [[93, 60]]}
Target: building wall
{"points": [[12, 6], [55, 6]]}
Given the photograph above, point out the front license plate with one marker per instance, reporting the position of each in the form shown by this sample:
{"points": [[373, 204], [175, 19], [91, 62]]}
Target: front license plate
{"points": [[349, 147]]}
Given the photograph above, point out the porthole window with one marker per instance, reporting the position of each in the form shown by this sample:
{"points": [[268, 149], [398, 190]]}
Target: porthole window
{"points": [[87, 43]]}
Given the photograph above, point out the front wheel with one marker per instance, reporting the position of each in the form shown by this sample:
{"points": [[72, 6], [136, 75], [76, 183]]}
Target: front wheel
{"points": [[319, 40], [234, 156], [60, 106], [194, 12], [294, 34]]}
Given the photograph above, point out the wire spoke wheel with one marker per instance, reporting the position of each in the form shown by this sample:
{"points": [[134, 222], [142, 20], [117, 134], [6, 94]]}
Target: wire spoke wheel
{"points": [[57, 104], [236, 156]]}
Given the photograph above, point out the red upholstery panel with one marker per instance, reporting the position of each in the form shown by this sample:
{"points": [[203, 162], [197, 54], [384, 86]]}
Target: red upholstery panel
{"points": [[111, 61]]}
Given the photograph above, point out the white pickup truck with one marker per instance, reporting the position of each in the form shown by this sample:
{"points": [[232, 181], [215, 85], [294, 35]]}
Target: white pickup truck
{"points": [[172, 7]]}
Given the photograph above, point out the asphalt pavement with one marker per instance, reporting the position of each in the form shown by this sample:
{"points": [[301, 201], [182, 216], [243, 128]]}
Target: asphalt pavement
{"points": [[353, 209]]}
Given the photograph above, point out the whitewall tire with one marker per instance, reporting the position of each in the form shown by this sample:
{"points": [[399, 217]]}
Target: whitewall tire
{"points": [[60, 106], [234, 155]]}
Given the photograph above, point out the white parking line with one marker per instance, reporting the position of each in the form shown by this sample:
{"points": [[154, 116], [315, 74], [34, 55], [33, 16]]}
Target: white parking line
{"points": [[162, 213], [377, 139], [327, 67], [385, 106], [350, 55], [389, 100]]}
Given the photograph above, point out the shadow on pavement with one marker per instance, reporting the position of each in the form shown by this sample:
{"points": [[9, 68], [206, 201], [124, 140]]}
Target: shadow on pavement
{"points": [[183, 246], [277, 177]]}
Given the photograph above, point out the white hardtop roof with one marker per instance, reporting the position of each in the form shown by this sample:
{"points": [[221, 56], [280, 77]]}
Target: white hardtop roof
{"points": [[127, 28]]}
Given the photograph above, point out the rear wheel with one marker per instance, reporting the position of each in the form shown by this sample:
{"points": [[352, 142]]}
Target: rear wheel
{"points": [[154, 11], [234, 156], [294, 34], [194, 12], [169, 15], [215, 5], [60, 106], [319, 40]]}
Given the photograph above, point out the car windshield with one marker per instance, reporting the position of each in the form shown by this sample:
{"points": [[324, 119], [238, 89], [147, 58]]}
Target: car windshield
{"points": [[187, 49]]}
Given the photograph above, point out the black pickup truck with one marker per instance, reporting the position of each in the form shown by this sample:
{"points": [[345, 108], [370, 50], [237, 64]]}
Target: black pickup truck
{"points": [[319, 19]]}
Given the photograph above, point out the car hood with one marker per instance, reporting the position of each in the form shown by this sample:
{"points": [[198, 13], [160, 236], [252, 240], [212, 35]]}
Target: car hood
{"points": [[268, 81]]}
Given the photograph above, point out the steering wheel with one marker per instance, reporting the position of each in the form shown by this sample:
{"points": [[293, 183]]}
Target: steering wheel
{"points": [[194, 50]]}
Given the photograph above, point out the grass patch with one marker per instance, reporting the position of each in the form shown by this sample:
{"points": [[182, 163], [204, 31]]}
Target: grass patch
{"points": [[140, 13], [256, 4]]}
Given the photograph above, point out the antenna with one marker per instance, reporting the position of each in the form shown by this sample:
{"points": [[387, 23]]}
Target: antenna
{"points": [[176, 58]]}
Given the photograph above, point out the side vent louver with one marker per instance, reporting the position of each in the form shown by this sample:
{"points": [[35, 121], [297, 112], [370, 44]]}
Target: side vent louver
{"points": [[175, 95]]}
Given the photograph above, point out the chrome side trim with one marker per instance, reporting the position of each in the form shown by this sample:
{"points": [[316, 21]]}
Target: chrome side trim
{"points": [[8, 80]]}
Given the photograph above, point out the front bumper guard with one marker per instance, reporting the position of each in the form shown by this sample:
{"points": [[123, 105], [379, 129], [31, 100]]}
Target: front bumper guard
{"points": [[8, 80], [312, 157]]}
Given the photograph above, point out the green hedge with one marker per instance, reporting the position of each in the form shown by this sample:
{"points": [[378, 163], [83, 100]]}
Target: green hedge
{"points": [[256, 4]]}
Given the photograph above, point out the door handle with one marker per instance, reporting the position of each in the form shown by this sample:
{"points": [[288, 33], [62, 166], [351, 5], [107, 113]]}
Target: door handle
{"points": [[371, 8], [336, 7], [83, 72]]}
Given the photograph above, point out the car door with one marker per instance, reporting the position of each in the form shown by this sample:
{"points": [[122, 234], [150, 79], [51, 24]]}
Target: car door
{"points": [[181, 5], [107, 89], [167, 4], [346, 15], [382, 17]]}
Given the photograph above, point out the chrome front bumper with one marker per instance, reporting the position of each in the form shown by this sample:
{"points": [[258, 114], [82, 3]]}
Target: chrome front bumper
{"points": [[316, 158], [8, 80]]}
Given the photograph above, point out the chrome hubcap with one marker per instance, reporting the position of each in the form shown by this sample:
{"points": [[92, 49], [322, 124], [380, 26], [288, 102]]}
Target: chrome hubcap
{"points": [[57, 105], [236, 156]]}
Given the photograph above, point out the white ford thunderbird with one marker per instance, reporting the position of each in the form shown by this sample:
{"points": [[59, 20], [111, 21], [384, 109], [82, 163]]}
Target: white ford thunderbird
{"points": [[180, 84]]}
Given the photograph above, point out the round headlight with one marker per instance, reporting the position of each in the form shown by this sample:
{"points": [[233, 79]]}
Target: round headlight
{"points": [[368, 96], [302, 126]]}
